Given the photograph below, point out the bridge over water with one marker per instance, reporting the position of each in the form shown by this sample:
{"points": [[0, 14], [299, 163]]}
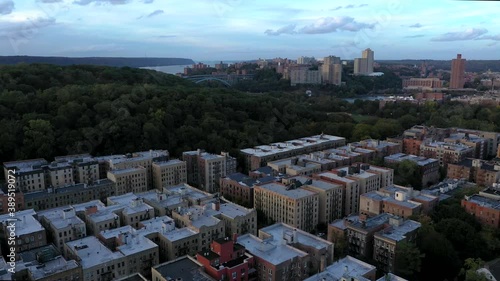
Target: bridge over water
{"points": [[226, 79]]}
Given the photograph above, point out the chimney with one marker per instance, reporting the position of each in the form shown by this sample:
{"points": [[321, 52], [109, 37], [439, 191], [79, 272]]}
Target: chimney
{"points": [[216, 205], [322, 264], [235, 237]]}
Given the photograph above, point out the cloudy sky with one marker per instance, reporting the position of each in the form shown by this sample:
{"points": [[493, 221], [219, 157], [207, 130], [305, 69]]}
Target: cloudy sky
{"points": [[249, 29]]}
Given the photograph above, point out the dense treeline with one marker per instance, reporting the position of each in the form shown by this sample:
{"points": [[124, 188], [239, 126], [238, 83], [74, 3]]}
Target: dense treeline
{"points": [[50, 110]]}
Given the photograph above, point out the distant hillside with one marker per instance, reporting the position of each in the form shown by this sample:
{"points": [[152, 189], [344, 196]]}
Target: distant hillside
{"points": [[470, 65], [105, 61]]}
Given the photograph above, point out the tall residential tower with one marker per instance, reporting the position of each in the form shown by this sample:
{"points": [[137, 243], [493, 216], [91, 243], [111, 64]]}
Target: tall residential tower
{"points": [[457, 73]]}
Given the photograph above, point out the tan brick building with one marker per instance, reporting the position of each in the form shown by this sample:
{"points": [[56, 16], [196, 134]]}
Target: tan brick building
{"points": [[129, 180], [169, 173]]}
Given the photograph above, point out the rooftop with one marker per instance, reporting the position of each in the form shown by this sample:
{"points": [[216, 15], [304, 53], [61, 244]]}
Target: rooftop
{"points": [[277, 230], [397, 233], [61, 218], [391, 277], [334, 176], [341, 223], [457, 147], [279, 188], [133, 277], [25, 222], [484, 201], [180, 233], [169, 162], [65, 189], [346, 267], [47, 268], [91, 252], [273, 148], [421, 161], [372, 222], [127, 170], [26, 165], [142, 155], [272, 251], [185, 268]]}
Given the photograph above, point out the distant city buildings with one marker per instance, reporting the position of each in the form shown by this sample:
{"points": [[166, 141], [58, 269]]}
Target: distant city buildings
{"points": [[422, 83], [331, 70], [364, 65], [304, 75], [457, 73]]}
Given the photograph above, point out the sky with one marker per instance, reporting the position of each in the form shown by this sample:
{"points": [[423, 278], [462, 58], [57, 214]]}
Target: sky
{"points": [[249, 29]]}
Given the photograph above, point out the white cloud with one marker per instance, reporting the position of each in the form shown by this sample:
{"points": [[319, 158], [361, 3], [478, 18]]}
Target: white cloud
{"points": [[6, 7], [469, 34]]}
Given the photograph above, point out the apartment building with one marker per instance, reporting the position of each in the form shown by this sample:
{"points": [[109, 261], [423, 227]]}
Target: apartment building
{"points": [[258, 156], [129, 179], [294, 167], [446, 153], [85, 167], [386, 241], [97, 261], [169, 173], [18, 202], [492, 137], [423, 83], [140, 253], [429, 167], [479, 144], [485, 206], [397, 200], [347, 269], [337, 230], [29, 232], [297, 207], [303, 75], [204, 169], [319, 250], [238, 187], [131, 209], [330, 196], [275, 260], [381, 148], [475, 170], [226, 260], [45, 264], [350, 191], [183, 268], [63, 225], [69, 195], [360, 234], [143, 159], [29, 174]]}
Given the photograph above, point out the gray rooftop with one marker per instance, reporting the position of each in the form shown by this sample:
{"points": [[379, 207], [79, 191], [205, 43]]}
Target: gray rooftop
{"points": [[484, 201], [91, 252], [270, 250], [278, 229], [274, 148], [347, 267], [296, 193], [25, 222], [397, 233]]}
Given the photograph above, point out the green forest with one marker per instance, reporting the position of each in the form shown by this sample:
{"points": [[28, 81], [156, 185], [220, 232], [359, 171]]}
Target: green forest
{"points": [[48, 110]]}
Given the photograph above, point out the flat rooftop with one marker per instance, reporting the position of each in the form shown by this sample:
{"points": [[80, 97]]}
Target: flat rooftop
{"points": [[341, 223], [272, 251], [25, 222], [185, 268], [137, 156], [57, 219], [398, 233], [347, 267], [278, 229], [124, 199], [334, 176], [168, 163], [51, 267], [26, 165], [91, 252], [457, 147], [187, 190], [296, 193], [484, 201], [421, 161], [127, 170], [180, 233], [372, 222], [274, 148]]}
